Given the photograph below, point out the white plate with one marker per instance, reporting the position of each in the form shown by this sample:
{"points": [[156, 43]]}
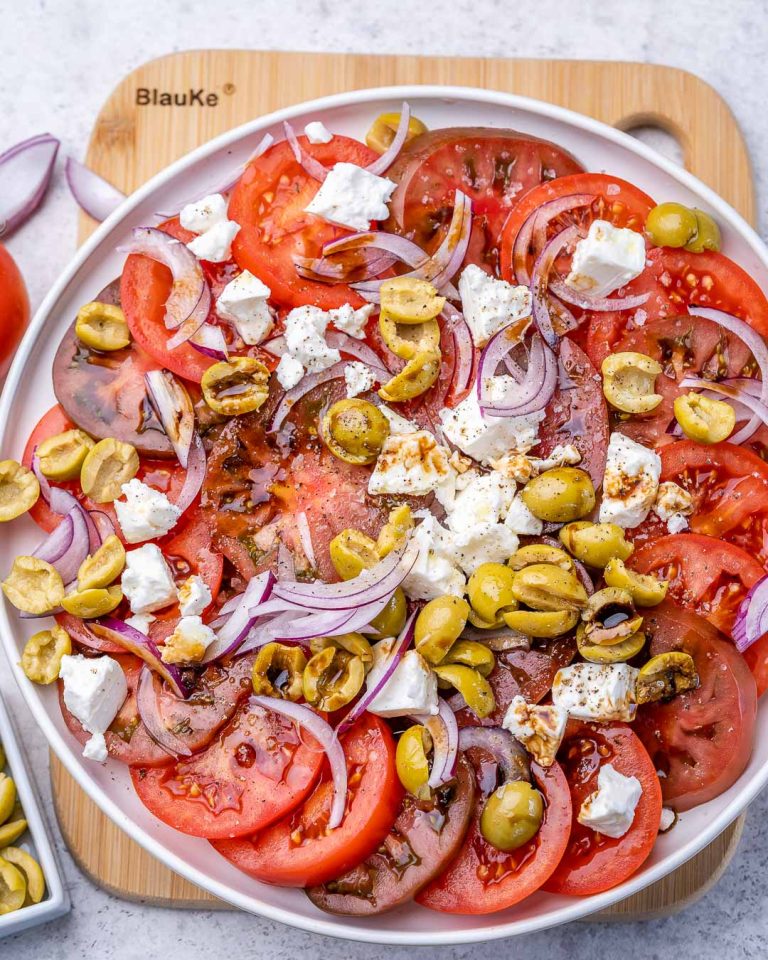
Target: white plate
{"points": [[28, 393]]}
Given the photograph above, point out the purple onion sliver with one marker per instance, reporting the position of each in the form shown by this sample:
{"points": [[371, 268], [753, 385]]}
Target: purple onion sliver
{"points": [[511, 757], [241, 619], [147, 706], [138, 643], [313, 167], [385, 161], [195, 475], [95, 195], [26, 171]]}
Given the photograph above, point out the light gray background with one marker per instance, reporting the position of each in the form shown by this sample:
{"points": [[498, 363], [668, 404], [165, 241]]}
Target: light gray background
{"points": [[59, 59]]}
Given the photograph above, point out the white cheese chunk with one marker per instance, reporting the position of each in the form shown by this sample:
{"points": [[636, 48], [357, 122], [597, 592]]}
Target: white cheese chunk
{"points": [[673, 505], [215, 245], [667, 820], [435, 572], [596, 691], [289, 371], [351, 321], [539, 727], [317, 132], [188, 642], [630, 483], [487, 438], [519, 467], [352, 197], [606, 259], [359, 378], [194, 596], [147, 580], [490, 543], [521, 521], [490, 304], [141, 622], [397, 424], [411, 463], [94, 690], [610, 810], [305, 338], [243, 302], [475, 518], [146, 513], [203, 214], [412, 688]]}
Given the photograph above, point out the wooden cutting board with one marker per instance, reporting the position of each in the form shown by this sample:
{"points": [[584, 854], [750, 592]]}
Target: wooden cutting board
{"points": [[136, 135]]}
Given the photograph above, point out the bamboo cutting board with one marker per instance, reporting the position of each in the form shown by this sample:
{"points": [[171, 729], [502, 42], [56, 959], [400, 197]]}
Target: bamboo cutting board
{"points": [[138, 133]]}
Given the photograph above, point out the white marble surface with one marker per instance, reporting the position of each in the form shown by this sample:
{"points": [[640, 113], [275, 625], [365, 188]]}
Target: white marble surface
{"points": [[60, 59]]}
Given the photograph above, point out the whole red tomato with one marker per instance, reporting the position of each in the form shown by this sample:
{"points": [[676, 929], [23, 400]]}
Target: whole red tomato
{"points": [[14, 309]]}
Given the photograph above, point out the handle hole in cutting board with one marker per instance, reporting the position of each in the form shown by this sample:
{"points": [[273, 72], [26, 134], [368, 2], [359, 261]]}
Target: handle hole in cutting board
{"points": [[659, 139]]}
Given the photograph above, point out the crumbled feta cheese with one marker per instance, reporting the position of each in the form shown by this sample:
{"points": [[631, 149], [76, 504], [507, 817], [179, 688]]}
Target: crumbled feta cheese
{"points": [[352, 197], [204, 214], [188, 642], [606, 259], [596, 691], [146, 513], [305, 338], [521, 521], [411, 463], [194, 596], [486, 438], [483, 500], [491, 543], [317, 132], [673, 505], [397, 424], [289, 371], [141, 622], [539, 727], [519, 467], [215, 245], [359, 378], [243, 302], [435, 572], [611, 809], [630, 482], [490, 304], [351, 321], [563, 455], [412, 688], [147, 580], [677, 523], [94, 690], [668, 819]]}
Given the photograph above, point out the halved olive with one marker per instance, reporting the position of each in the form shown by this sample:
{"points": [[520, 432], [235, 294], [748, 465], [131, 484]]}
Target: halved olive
{"points": [[512, 815], [395, 531], [12, 830], [43, 653], [62, 456], [543, 586], [671, 225], [439, 625], [354, 643], [391, 620], [540, 553], [666, 675], [646, 590], [472, 685], [707, 236], [354, 430], [7, 797], [542, 624], [103, 567], [13, 887], [595, 543], [30, 868], [416, 377], [408, 340], [411, 760], [332, 678], [384, 127], [278, 671], [19, 490], [102, 326], [560, 495], [629, 382], [33, 585], [609, 617], [106, 467], [410, 300], [703, 419], [619, 652], [239, 385], [352, 552], [490, 591], [471, 654], [93, 603]]}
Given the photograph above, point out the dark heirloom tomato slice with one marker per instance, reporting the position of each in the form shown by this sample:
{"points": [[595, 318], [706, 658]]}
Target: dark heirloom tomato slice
{"points": [[299, 850], [701, 740], [269, 203], [483, 879], [592, 861], [257, 770], [423, 840], [493, 167]]}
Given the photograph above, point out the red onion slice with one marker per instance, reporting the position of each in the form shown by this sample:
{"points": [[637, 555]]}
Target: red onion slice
{"points": [[597, 304], [752, 617], [308, 720], [173, 406], [75, 536], [193, 481], [540, 281], [400, 247], [104, 526], [512, 760], [58, 542], [445, 744], [518, 398], [25, 172], [305, 535], [242, 618], [63, 502], [138, 643], [329, 623], [209, 340], [387, 158], [540, 219], [95, 195], [307, 383], [327, 271], [463, 346], [146, 704], [313, 167], [268, 632]]}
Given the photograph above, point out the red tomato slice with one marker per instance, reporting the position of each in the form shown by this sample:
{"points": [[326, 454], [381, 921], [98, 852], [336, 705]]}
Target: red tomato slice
{"points": [[483, 879], [701, 740], [14, 309], [592, 861], [254, 773], [269, 203], [299, 850]]}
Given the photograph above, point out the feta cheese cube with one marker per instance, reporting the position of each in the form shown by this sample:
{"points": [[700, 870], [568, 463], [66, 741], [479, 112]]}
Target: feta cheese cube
{"points": [[610, 810], [539, 727], [630, 483], [410, 463], [563, 455], [489, 543], [435, 572], [194, 596], [677, 523], [141, 622], [667, 820], [305, 338], [94, 690], [596, 691], [215, 245], [204, 214], [146, 513], [673, 504], [289, 371], [487, 438], [359, 378], [490, 304], [522, 468], [147, 580], [243, 302], [606, 259], [521, 521], [317, 132], [352, 197], [412, 688], [398, 424], [188, 642], [351, 321], [482, 500]]}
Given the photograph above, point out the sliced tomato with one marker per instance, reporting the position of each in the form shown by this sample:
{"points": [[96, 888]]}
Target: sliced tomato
{"points": [[493, 167], [483, 879], [270, 201], [14, 309], [299, 850], [700, 741], [593, 862]]}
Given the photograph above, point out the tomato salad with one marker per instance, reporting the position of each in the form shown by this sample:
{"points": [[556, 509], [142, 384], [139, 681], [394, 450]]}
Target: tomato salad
{"points": [[404, 514]]}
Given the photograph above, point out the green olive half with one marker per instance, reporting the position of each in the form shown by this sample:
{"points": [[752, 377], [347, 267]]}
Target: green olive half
{"points": [[354, 430]]}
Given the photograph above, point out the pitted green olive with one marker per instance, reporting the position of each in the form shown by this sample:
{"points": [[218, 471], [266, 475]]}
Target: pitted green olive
{"points": [[19, 490], [354, 643], [477, 621], [707, 236], [352, 552], [395, 531], [62, 456], [43, 653], [384, 128], [408, 340], [545, 587], [354, 430], [30, 868], [13, 887], [609, 617], [703, 419], [645, 589], [411, 760], [490, 591], [416, 377], [542, 624], [560, 495], [12, 829], [540, 553], [629, 380], [671, 225], [391, 620], [332, 678], [103, 567], [472, 654], [512, 815], [664, 676], [278, 671], [410, 300], [94, 602], [102, 326], [595, 543], [619, 652], [439, 625], [239, 385], [33, 585], [7, 796], [106, 467], [472, 685]]}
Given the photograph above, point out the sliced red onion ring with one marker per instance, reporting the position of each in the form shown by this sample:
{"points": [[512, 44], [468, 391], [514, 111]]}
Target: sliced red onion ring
{"points": [[25, 172], [597, 304], [286, 568], [445, 744], [463, 346], [399, 247], [263, 145], [540, 281], [173, 406], [95, 195], [146, 704], [269, 631], [193, 481], [104, 526], [509, 754], [242, 619], [516, 399], [63, 502], [752, 617], [313, 167], [307, 383], [308, 720], [209, 340], [329, 623], [75, 535], [138, 643], [58, 542], [540, 219], [305, 535], [387, 158], [322, 270]]}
